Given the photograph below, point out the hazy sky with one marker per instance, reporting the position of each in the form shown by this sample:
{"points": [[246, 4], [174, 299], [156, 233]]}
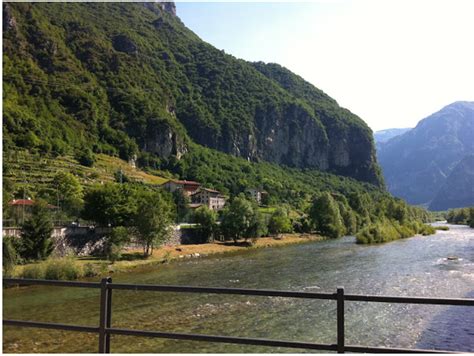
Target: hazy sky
{"points": [[390, 62]]}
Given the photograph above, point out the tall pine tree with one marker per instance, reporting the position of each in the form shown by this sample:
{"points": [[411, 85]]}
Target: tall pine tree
{"points": [[36, 242]]}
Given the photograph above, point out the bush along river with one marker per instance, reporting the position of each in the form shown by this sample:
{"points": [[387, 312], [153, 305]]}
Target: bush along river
{"points": [[419, 266]]}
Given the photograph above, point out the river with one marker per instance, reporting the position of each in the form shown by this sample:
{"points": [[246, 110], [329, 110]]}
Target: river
{"points": [[412, 267]]}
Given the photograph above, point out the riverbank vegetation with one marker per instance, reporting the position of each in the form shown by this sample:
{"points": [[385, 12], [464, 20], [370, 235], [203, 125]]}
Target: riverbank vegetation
{"points": [[389, 230], [144, 215], [461, 216], [70, 268]]}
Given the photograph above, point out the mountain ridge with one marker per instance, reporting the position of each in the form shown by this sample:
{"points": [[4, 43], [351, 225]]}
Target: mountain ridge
{"points": [[417, 163]]}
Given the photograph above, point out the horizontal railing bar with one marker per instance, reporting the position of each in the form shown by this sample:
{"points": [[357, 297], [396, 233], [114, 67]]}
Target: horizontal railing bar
{"points": [[354, 348], [211, 338], [223, 339], [47, 282], [42, 325], [212, 290], [409, 300], [242, 291]]}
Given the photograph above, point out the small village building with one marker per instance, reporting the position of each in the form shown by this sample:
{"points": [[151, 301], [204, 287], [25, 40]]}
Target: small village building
{"points": [[21, 209], [26, 204], [187, 186], [213, 199], [255, 194]]}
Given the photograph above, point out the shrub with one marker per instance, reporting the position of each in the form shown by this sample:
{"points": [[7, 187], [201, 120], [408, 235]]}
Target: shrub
{"points": [[62, 269], [35, 271], [388, 230], [426, 230], [86, 158], [89, 270]]}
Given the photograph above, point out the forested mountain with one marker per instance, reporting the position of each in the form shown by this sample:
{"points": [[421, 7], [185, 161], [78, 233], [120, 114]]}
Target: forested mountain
{"points": [[417, 164], [129, 79]]}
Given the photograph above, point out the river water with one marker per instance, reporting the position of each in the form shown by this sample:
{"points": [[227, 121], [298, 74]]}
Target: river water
{"points": [[413, 267]]}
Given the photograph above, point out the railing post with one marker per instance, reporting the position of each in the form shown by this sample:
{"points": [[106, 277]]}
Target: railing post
{"points": [[103, 321], [340, 320], [108, 324]]}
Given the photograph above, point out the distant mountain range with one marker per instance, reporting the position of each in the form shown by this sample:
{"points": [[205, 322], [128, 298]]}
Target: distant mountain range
{"points": [[385, 135], [431, 164]]}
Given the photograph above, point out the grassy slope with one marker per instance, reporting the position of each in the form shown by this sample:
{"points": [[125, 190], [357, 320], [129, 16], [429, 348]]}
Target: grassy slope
{"points": [[36, 171]]}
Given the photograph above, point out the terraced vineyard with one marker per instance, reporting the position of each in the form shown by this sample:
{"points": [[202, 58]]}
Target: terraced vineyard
{"points": [[35, 170]]}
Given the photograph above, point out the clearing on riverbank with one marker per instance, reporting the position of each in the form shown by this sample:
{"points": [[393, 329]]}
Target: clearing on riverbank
{"points": [[133, 257]]}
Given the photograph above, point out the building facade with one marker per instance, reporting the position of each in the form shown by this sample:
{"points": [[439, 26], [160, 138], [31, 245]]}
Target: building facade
{"points": [[213, 199], [187, 186]]}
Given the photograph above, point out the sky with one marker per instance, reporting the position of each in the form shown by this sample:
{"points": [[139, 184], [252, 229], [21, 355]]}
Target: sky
{"points": [[392, 63]]}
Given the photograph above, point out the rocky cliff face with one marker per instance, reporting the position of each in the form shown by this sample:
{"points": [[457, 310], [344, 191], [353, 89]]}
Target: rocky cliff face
{"points": [[337, 140], [291, 137], [9, 21], [417, 163], [163, 141], [167, 6]]}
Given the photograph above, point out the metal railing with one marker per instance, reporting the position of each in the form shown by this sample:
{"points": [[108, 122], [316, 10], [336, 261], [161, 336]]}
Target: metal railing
{"points": [[105, 329]]}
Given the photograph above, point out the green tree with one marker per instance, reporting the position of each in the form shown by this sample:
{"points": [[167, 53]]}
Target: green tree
{"points": [[240, 220], [279, 222], [153, 220], [459, 216], [10, 256], [7, 190], [325, 216], [348, 217], [397, 210], [121, 177], [471, 217], [181, 200], [115, 241], [69, 192], [111, 204], [302, 224], [36, 242], [206, 218], [258, 224], [86, 157]]}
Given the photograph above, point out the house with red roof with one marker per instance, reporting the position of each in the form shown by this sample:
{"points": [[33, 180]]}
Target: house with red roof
{"points": [[21, 209], [187, 186]]}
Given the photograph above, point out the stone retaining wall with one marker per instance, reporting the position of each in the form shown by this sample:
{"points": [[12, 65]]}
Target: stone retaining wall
{"points": [[85, 240]]}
